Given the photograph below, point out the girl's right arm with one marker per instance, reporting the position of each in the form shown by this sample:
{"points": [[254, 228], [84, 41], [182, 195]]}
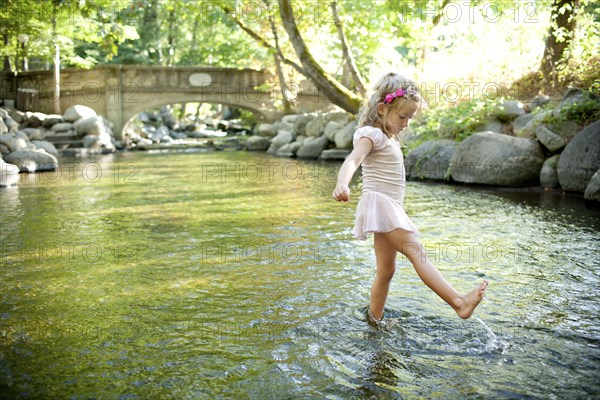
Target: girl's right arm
{"points": [[353, 161]]}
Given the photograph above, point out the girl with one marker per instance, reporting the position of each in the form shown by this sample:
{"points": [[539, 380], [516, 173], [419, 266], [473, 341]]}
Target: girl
{"points": [[394, 102]]}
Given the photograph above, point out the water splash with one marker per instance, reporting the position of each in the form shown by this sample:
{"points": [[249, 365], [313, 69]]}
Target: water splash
{"points": [[494, 344]]}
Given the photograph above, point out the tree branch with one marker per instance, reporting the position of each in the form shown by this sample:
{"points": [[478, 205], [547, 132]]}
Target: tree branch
{"points": [[262, 41], [347, 54], [331, 88]]}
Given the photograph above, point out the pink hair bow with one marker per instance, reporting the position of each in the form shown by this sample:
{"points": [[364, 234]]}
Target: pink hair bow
{"points": [[390, 97]]}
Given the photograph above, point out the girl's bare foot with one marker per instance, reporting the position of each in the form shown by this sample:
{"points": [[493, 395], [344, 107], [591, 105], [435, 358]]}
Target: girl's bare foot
{"points": [[469, 301]]}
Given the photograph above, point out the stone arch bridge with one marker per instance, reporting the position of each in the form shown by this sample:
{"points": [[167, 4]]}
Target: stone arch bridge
{"points": [[119, 92]]}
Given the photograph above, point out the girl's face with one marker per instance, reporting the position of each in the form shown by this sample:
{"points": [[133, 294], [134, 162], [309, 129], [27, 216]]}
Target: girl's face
{"points": [[398, 118]]}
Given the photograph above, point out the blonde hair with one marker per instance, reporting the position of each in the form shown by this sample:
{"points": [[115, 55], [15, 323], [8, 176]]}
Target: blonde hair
{"points": [[387, 84]]}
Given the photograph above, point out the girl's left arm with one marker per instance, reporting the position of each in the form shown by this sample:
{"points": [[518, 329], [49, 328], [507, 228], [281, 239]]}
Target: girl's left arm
{"points": [[349, 167]]}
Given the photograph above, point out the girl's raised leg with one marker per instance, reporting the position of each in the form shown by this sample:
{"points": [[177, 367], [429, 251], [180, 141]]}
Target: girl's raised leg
{"points": [[406, 243], [385, 255]]}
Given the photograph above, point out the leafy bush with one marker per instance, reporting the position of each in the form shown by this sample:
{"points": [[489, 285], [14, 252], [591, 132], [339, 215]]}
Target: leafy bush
{"points": [[584, 113], [458, 122]]}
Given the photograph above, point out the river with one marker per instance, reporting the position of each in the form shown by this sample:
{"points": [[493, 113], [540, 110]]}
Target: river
{"points": [[235, 275]]}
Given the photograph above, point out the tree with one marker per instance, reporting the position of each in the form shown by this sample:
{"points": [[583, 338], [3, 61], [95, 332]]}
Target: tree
{"points": [[560, 34], [332, 89], [346, 51]]}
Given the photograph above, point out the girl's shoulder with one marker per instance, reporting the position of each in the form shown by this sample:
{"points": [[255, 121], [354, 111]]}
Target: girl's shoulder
{"points": [[376, 135]]}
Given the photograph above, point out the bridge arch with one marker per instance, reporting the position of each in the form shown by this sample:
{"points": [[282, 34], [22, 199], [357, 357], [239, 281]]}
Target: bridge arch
{"points": [[119, 92]]}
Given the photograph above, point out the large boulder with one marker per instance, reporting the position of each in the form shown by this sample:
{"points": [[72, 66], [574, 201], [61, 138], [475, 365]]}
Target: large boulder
{"points": [[77, 112], [62, 127], [34, 133], [257, 143], [13, 142], [521, 122], [3, 127], [341, 117], [51, 120], [156, 135], [267, 130], [300, 123], [283, 137], [548, 174], [528, 130], [431, 160], [343, 138], [592, 191], [492, 124], [561, 124], [289, 119], [316, 126], [36, 119], [580, 159], [17, 115], [32, 160], [334, 154], [282, 125], [549, 139], [288, 149], [11, 124], [9, 174], [573, 96], [510, 110], [90, 126], [312, 147], [495, 159], [47, 146], [331, 129]]}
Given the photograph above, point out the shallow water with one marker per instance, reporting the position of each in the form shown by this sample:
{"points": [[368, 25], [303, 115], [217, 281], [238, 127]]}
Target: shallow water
{"points": [[234, 275]]}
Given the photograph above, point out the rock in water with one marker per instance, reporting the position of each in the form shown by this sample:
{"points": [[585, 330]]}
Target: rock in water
{"points": [[77, 112], [548, 174], [32, 160], [580, 159], [312, 147], [334, 154], [257, 143], [90, 126], [9, 174], [430, 160], [592, 192], [495, 159], [343, 137]]}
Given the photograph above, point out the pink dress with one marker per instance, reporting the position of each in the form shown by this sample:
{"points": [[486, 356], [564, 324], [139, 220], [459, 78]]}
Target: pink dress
{"points": [[380, 206]]}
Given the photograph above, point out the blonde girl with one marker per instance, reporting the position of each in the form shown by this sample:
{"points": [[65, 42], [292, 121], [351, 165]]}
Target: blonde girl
{"points": [[394, 102]]}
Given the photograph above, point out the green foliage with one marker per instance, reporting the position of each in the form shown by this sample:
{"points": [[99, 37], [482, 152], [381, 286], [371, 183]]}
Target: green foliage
{"points": [[458, 122], [583, 112]]}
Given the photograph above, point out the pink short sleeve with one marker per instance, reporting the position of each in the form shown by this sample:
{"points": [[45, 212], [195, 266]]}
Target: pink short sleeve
{"points": [[375, 134]]}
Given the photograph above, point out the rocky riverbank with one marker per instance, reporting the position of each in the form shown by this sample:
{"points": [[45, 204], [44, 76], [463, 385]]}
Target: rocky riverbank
{"points": [[30, 141], [521, 145]]}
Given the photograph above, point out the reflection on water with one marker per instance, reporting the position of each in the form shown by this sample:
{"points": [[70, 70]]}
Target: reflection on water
{"points": [[234, 275]]}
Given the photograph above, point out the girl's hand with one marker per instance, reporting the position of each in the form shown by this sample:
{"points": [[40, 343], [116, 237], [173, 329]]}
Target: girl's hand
{"points": [[341, 192]]}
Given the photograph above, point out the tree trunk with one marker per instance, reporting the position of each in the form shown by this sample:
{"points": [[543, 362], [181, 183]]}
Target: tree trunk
{"points": [[332, 89], [560, 35], [287, 107], [346, 52], [6, 66], [171, 36], [57, 109], [150, 37], [193, 46]]}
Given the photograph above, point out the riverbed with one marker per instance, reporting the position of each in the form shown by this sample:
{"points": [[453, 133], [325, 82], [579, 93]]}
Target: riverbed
{"points": [[230, 274]]}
